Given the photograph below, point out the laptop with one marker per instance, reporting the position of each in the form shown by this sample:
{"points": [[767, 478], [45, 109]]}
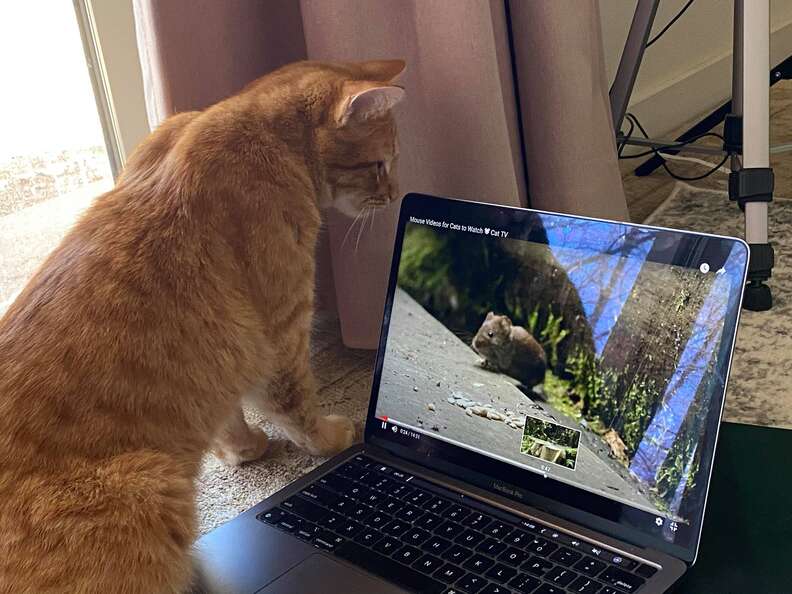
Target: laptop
{"points": [[543, 418]]}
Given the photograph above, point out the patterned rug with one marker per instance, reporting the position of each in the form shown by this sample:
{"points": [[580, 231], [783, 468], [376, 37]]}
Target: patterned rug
{"points": [[760, 384]]}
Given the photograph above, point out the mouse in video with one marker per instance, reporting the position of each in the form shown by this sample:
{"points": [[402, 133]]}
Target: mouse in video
{"points": [[511, 350]]}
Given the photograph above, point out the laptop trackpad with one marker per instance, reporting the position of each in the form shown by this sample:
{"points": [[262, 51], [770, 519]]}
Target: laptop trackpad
{"points": [[322, 574]]}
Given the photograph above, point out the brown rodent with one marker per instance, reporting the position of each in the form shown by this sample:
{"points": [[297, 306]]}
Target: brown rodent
{"points": [[511, 350]]}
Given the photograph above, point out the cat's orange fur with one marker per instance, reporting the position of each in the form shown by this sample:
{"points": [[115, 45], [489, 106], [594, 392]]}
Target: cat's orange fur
{"points": [[184, 289]]}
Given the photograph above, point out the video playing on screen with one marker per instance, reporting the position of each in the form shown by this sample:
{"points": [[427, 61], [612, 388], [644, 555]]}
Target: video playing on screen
{"points": [[581, 358]]}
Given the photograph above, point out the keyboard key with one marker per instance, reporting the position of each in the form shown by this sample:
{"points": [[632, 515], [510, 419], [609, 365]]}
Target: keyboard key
{"points": [[549, 589], [395, 528], [305, 509], [320, 495], [272, 516], [491, 547], [541, 547], [436, 545], [387, 545], [368, 537], [524, 583], [472, 583], [513, 556], [348, 528], [428, 564], [343, 505], [429, 521], [418, 498], [500, 573], [623, 562], [407, 554], [457, 554], [358, 492], [646, 571], [591, 567], [584, 585], [622, 580], [388, 569], [518, 538], [359, 512], [449, 573], [401, 475], [409, 513], [469, 538], [530, 525], [402, 491], [436, 505], [449, 530], [374, 499], [289, 522], [326, 540], [415, 536], [560, 576], [537, 566], [333, 520], [497, 529], [477, 521], [377, 520], [391, 505], [566, 556], [457, 513], [307, 531], [364, 461], [478, 563], [494, 589], [335, 482]]}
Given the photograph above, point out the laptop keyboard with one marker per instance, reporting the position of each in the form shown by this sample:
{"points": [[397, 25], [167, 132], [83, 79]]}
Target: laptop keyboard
{"points": [[374, 516]]}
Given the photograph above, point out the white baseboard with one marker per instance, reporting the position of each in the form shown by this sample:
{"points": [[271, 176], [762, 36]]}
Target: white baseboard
{"points": [[666, 107]]}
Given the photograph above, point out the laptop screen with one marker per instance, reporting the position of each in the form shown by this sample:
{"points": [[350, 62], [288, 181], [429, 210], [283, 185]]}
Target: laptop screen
{"points": [[581, 361]]}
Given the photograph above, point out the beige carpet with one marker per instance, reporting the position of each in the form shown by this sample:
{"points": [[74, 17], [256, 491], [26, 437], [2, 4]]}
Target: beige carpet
{"points": [[760, 383], [760, 389], [344, 378]]}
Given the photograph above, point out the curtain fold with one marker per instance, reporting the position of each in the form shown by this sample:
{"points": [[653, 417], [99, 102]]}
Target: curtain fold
{"points": [[459, 128], [567, 126]]}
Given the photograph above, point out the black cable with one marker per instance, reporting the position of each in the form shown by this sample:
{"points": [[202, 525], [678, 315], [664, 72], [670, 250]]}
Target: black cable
{"points": [[670, 23], [696, 177], [626, 137], [658, 151]]}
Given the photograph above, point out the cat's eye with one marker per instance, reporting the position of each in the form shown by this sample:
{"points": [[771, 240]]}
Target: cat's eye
{"points": [[380, 170], [490, 334]]}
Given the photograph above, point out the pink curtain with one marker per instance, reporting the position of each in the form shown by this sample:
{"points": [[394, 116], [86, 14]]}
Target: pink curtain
{"points": [[459, 127]]}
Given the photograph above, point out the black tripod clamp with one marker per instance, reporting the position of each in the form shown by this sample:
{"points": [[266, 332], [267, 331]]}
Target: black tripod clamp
{"points": [[755, 184]]}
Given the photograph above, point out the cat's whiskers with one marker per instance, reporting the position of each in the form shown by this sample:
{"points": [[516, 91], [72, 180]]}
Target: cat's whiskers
{"points": [[346, 235], [371, 221], [362, 227]]}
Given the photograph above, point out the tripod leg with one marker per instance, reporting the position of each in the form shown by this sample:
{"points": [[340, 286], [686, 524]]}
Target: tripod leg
{"points": [[752, 100]]}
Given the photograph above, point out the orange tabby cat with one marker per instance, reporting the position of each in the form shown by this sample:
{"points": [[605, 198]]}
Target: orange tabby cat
{"points": [[186, 288]]}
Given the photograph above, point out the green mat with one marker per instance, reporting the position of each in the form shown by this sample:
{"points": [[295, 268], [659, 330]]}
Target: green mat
{"points": [[746, 545]]}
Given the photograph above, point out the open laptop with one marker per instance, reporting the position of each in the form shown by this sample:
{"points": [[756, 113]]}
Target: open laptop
{"points": [[588, 474]]}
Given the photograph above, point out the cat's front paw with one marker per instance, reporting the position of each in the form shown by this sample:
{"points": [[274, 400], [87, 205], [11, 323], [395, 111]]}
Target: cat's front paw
{"points": [[255, 445], [333, 434]]}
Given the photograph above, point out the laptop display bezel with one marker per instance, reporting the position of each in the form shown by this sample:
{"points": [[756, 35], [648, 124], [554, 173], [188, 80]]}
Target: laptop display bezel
{"points": [[572, 503]]}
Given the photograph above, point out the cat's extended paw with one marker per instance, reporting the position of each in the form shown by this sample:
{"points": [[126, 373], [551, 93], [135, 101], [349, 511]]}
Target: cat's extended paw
{"points": [[255, 445], [333, 434]]}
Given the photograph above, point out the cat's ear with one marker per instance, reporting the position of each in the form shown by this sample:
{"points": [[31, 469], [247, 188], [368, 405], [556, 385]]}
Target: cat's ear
{"points": [[490, 315], [363, 101], [382, 70]]}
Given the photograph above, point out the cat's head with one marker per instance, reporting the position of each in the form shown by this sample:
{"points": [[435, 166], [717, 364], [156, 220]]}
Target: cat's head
{"points": [[354, 149]]}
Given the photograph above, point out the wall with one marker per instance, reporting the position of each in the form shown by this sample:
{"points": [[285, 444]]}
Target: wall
{"points": [[115, 24], [687, 72]]}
